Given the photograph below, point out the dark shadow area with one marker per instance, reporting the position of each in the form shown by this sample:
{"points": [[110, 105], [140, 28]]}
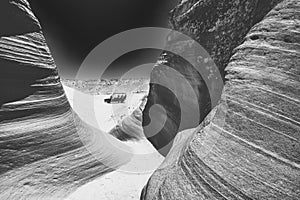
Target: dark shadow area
{"points": [[161, 95], [15, 21], [16, 80], [170, 127]]}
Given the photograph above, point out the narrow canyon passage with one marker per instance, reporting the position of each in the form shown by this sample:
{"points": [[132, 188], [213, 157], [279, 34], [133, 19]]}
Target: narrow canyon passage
{"points": [[59, 143]]}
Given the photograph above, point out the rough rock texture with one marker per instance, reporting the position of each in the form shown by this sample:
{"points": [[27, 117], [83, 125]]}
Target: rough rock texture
{"points": [[255, 154], [219, 26], [41, 154]]}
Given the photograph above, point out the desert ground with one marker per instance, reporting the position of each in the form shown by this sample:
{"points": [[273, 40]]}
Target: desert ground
{"points": [[126, 182]]}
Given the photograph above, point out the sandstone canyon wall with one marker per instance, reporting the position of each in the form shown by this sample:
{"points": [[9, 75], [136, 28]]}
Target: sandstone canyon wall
{"points": [[42, 155], [248, 146], [218, 26]]}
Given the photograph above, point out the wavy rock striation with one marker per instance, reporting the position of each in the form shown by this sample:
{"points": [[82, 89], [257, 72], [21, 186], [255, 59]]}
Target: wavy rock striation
{"points": [[248, 146], [41, 153], [219, 26]]}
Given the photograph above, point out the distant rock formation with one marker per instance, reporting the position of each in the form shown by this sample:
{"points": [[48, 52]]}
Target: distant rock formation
{"points": [[104, 87], [42, 155], [255, 153]]}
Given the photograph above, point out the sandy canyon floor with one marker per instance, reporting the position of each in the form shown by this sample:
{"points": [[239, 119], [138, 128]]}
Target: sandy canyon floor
{"points": [[126, 182]]}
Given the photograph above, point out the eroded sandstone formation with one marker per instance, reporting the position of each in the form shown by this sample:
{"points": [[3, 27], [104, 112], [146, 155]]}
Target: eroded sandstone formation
{"points": [[218, 26], [248, 146], [42, 155]]}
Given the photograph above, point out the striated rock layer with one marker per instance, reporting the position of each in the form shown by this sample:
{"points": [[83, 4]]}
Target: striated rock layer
{"points": [[41, 153], [219, 26], [248, 146]]}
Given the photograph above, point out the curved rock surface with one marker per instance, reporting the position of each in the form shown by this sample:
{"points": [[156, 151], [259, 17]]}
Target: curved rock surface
{"points": [[130, 128], [219, 26], [248, 146], [41, 153]]}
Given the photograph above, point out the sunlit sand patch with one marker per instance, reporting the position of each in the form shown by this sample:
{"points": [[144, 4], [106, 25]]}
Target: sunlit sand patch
{"points": [[128, 181]]}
